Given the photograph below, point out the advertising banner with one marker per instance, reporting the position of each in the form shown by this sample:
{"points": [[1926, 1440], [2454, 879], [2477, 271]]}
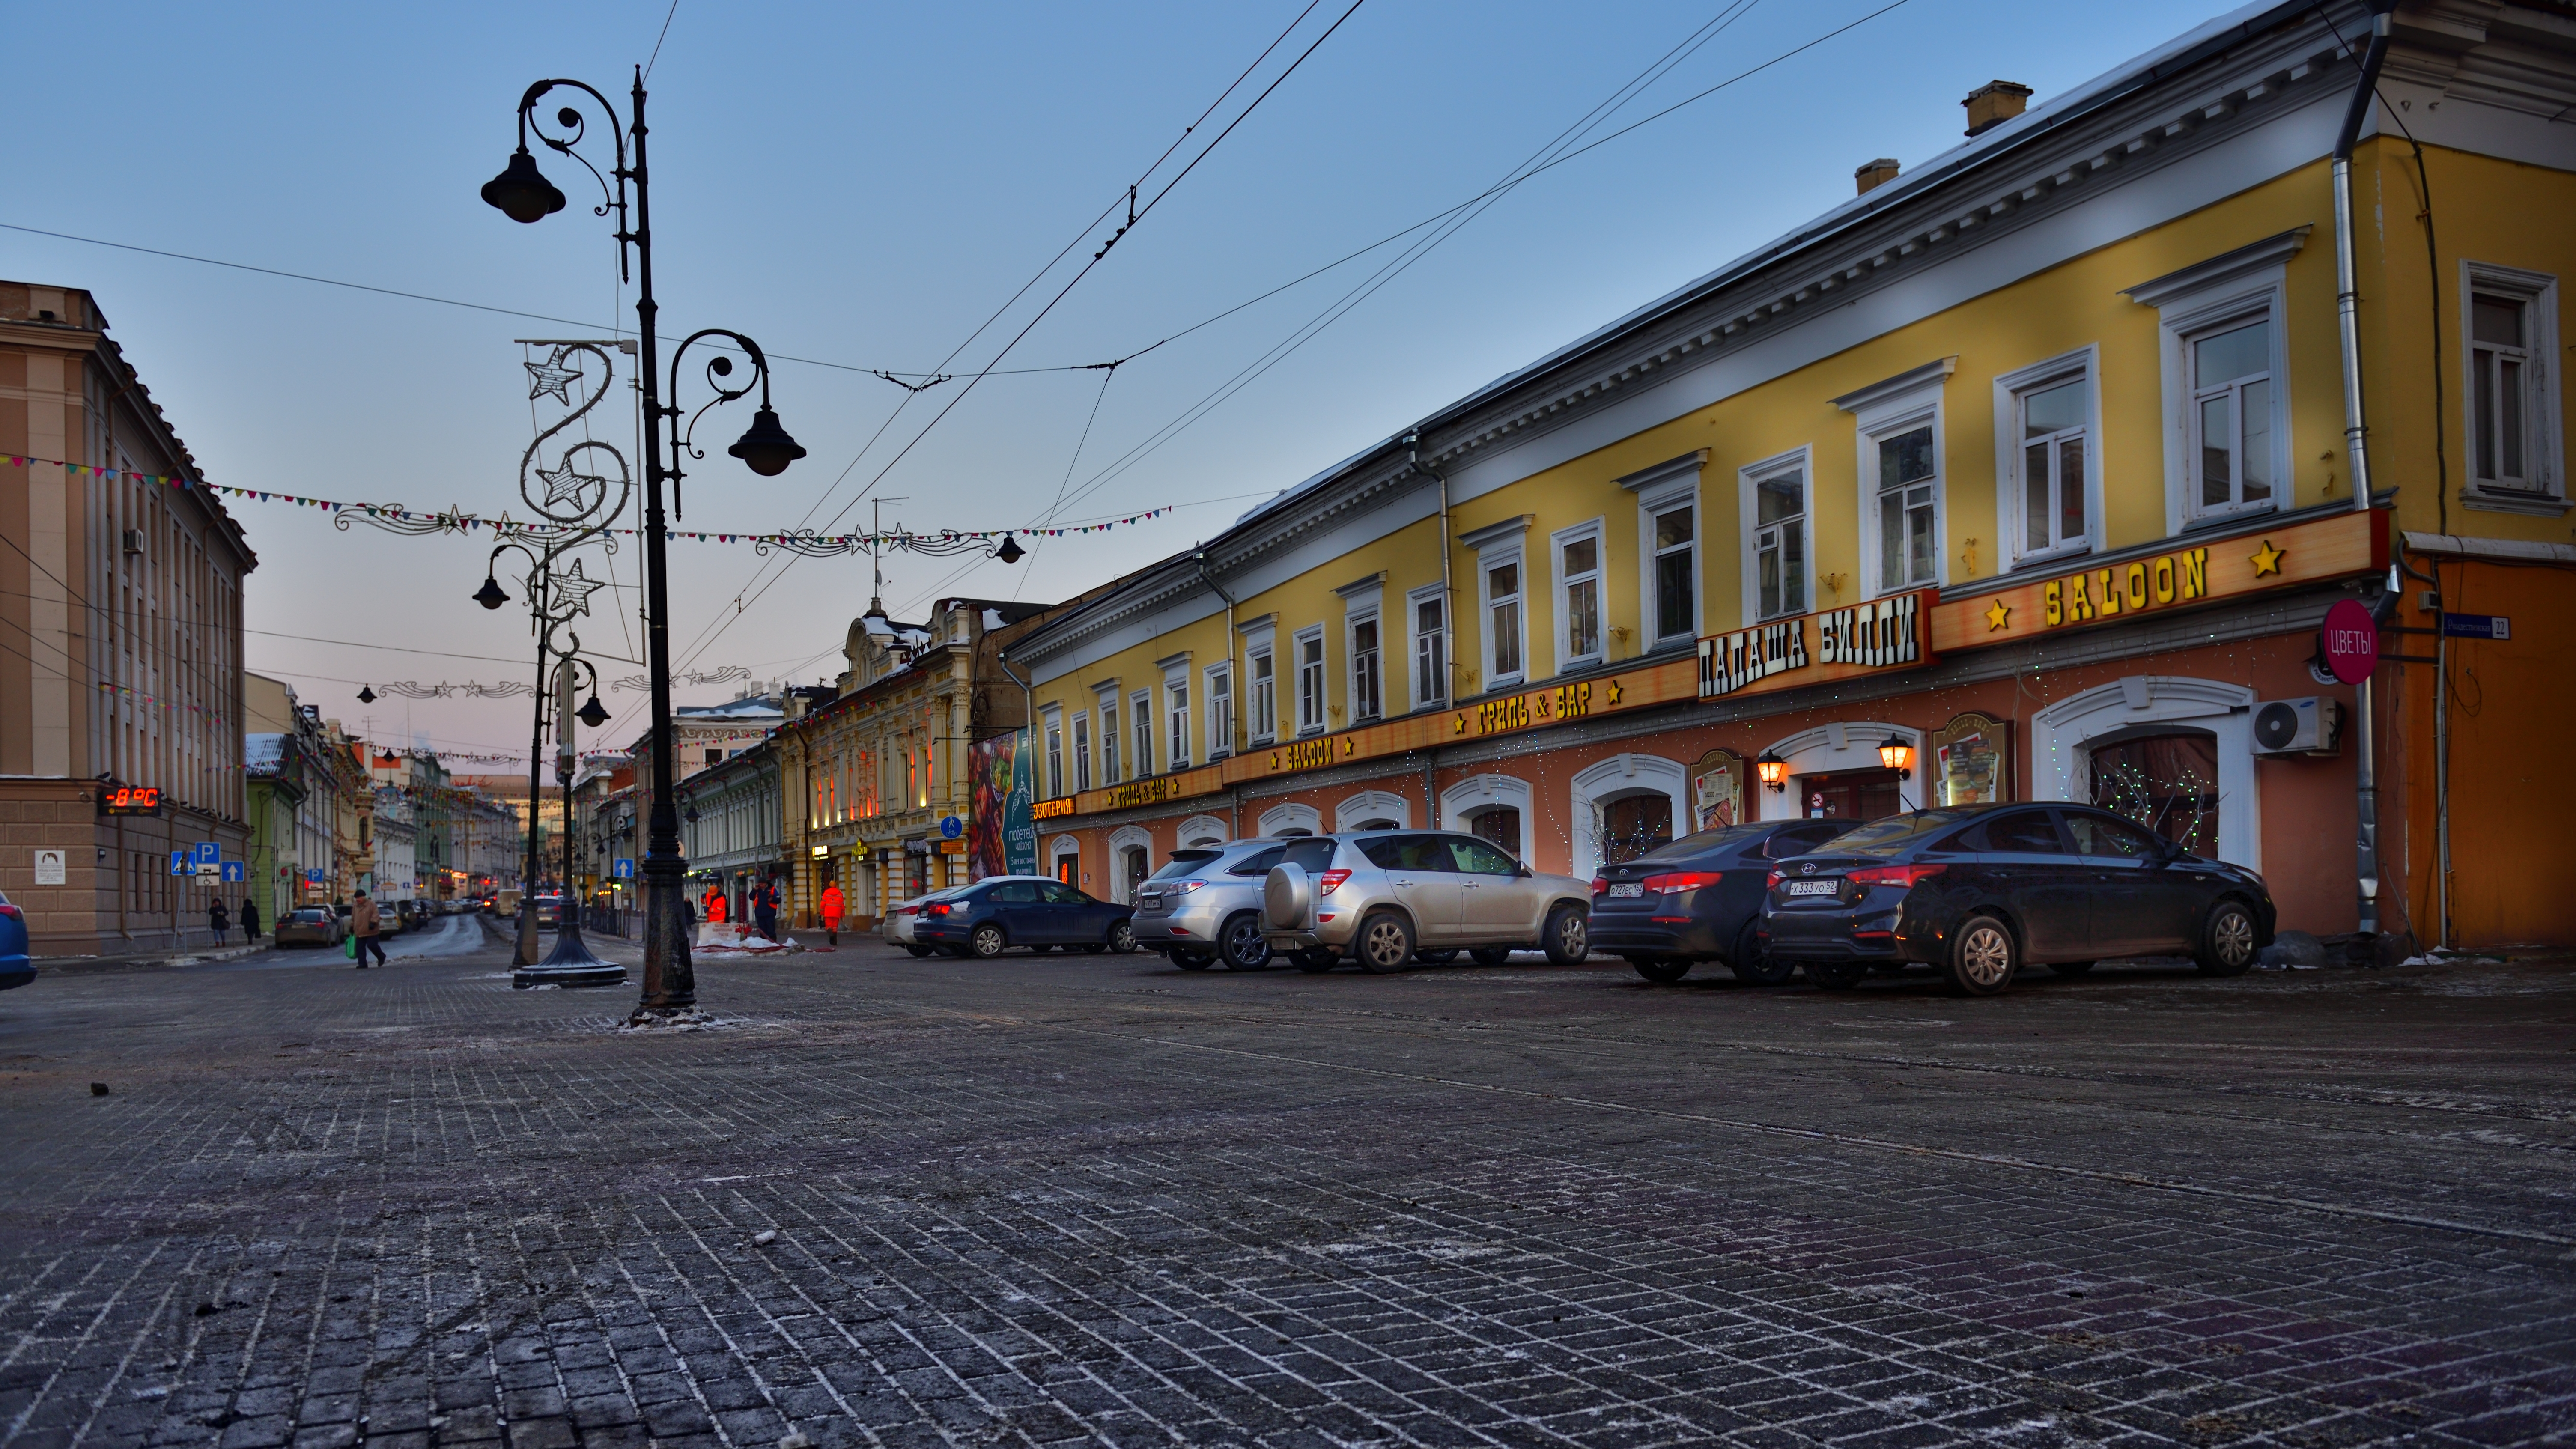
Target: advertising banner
{"points": [[1001, 832]]}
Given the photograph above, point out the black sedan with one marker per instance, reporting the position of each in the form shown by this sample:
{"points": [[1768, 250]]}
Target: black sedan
{"points": [[1700, 899], [1000, 912], [1977, 892]]}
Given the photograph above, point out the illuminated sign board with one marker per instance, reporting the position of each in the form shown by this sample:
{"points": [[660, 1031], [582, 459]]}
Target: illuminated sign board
{"points": [[130, 800]]}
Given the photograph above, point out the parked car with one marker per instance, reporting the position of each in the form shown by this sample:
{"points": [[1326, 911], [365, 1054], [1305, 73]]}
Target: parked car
{"points": [[1040, 912], [1977, 892], [549, 909], [1204, 905], [506, 905], [309, 926], [897, 927], [16, 969], [1385, 897], [1700, 899]]}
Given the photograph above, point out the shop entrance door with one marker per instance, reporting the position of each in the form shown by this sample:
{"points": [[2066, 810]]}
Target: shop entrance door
{"points": [[1853, 795]]}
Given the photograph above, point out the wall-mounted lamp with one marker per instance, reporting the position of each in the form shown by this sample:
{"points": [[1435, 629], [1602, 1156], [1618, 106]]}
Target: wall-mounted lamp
{"points": [[1773, 770], [1897, 755]]}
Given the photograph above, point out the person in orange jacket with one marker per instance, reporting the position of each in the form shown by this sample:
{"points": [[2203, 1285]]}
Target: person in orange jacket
{"points": [[715, 906], [831, 907]]}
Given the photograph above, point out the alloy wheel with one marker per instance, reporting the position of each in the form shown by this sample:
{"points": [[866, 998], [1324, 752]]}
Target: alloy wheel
{"points": [[1245, 948], [1384, 944], [2232, 936], [1985, 956]]}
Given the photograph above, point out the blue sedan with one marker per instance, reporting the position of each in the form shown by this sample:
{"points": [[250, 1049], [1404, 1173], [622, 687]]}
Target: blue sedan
{"points": [[15, 968], [1000, 912]]}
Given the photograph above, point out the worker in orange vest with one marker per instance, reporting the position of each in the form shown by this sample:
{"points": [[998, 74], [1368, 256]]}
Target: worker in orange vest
{"points": [[715, 906], [831, 907]]}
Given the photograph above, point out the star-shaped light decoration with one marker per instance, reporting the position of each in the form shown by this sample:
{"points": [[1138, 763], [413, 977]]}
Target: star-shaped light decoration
{"points": [[2267, 559], [551, 376], [1998, 616], [565, 485], [572, 591]]}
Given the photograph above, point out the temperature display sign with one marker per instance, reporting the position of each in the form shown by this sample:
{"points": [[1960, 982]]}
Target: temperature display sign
{"points": [[131, 800]]}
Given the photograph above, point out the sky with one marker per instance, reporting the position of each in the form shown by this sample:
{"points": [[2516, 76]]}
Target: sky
{"points": [[867, 186]]}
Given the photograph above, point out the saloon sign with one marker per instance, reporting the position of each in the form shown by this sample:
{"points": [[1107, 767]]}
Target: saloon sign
{"points": [[1886, 634]]}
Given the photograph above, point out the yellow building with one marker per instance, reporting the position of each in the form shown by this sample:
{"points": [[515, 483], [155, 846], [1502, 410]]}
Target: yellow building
{"points": [[2030, 465]]}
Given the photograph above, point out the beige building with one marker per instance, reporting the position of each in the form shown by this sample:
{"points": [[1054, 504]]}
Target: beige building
{"points": [[120, 644]]}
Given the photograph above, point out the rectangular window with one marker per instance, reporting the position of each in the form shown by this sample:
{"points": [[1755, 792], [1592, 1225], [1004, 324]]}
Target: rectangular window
{"points": [[1909, 484], [1176, 713], [2054, 419], [1082, 751], [1503, 619], [2499, 391], [1140, 710], [1310, 681], [1054, 756], [1578, 575], [1109, 739], [2511, 398], [1430, 652], [2231, 416], [1265, 694], [1220, 712], [1367, 693], [1780, 543], [1676, 572]]}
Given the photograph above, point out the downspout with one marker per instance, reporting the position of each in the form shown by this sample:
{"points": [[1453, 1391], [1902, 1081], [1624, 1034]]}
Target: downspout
{"points": [[1234, 697], [1448, 629], [2356, 444]]}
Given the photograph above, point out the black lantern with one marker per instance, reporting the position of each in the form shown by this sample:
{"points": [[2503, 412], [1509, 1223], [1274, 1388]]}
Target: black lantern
{"points": [[521, 192], [1897, 755], [593, 714], [765, 447], [490, 595], [1773, 770], [366, 695], [1010, 551]]}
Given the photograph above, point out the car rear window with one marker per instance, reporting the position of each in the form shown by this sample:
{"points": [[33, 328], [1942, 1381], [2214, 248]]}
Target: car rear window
{"points": [[1885, 837], [1702, 842], [1308, 855], [1184, 862], [1258, 862]]}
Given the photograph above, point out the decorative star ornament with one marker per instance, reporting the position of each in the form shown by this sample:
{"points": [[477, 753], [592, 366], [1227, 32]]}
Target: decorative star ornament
{"points": [[564, 485], [573, 591], [2267, 559], [551, 376], [1998, 616], [1615, 691]]}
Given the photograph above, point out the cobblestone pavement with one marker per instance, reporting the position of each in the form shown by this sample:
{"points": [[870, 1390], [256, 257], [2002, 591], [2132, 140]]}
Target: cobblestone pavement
{"points": [[1096, 1199]]}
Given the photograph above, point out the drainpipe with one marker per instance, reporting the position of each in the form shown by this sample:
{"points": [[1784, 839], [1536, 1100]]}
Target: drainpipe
{"points": [[1448, 592], [2356, 440], [1234, 682]]}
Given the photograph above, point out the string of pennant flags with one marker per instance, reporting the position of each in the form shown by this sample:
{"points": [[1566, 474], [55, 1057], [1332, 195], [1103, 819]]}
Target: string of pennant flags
{"points": [[459, 521]]}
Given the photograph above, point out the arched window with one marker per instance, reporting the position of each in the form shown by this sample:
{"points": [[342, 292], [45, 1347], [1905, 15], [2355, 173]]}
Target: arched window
{"points": [[1631, 825], [2164, 778], [1500, 824]]}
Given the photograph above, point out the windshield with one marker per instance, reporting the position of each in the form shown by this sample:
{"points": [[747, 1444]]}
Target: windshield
{"points": [[1184, 862], [1886, 837], [1704, 842]]}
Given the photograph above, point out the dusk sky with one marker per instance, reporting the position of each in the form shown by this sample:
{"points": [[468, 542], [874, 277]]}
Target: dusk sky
{"points": [[864, 186]]}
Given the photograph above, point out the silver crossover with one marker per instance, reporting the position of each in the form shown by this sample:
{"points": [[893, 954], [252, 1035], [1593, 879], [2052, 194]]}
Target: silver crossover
{"points": [[1384, 897], [1204, 906]]}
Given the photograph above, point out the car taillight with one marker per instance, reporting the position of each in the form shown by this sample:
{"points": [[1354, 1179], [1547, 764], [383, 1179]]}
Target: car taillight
{"points": [[907, 910], [1330, 881], [1190, 885], [1599, 885], [1895, 875], [1773, 882], [939, 910], [1684, 880], [9, 910]]}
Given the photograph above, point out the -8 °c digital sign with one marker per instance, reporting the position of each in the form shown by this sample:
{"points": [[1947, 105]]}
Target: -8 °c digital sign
{"points": [[130, 800]]}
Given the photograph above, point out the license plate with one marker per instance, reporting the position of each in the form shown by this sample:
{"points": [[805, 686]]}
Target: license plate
{"points": [[1628, 888], [1814, 887]]}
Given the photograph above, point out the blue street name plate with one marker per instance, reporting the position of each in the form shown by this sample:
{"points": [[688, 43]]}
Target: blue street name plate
{"points": [[2476, 626]]}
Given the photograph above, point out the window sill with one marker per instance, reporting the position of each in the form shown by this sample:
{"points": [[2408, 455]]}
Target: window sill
{"points": [[2039, 559], [2229, 518], [2537, 505]]}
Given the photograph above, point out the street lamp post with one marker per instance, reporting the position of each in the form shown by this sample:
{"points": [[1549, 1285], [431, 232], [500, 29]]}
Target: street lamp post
{"points": [[522, 193]]}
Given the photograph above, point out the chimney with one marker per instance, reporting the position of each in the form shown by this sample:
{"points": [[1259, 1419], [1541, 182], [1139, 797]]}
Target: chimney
{"points": [[1873, 174], [1995, 102]]}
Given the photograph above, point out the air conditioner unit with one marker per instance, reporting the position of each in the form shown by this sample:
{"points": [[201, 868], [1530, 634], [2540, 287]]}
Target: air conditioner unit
{"points": [[134, 541], [2310, 726]]}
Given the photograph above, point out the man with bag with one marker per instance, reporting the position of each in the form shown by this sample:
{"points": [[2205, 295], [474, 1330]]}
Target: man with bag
{"points": [[363, 925]]}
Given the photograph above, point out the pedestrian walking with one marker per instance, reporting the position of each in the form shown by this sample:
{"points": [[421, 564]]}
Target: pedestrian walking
{"points": [[764, 909], [219, 921], [250, 919], [364, 922], [831, 907]]}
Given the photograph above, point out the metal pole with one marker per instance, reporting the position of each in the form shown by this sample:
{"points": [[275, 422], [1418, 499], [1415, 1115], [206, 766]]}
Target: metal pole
{"points": [[2356, 441], [526, 955]]}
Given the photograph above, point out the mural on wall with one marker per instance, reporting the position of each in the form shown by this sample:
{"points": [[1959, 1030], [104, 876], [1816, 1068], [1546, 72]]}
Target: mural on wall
{"points": [[1717, 790], [1001, 832]]}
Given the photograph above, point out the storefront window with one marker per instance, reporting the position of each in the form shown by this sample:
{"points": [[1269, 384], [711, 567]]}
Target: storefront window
{"points": [[1633, 825], [2166, 782]]}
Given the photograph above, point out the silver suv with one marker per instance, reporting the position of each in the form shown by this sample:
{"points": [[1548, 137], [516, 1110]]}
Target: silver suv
{"points": [[1384, 897], [1204, 906]]}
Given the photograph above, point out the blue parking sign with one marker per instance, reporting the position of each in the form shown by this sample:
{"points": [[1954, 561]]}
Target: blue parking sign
{"points": [[209, 853], [179, 864]]}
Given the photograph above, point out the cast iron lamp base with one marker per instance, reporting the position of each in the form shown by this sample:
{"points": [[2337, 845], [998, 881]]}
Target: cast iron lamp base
{"points": [[569, 964]]}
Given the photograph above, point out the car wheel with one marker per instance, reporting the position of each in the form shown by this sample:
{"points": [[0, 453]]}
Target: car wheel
{"points": [[987, 941], [1983, 957], [1753, 962], [1836, 975], [1122, 938], [2069, 968], [1241, 944], [2226, 941], [1435, 958], [1663, 970], [918, 951], [1193, 960], [1385, 943], [1316, 962], [1567, 937]]}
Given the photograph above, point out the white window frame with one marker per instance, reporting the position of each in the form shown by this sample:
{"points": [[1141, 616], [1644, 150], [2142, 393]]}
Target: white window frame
{"points": [[1748, 486], [1110, 723], [1660, 490], [2206, 297], [1891, 409], [2544, 489], [1418, 644], [1261, 696], [2010, 389], [1081, 740], [1496, 545], [1363, 602], [1314, 683], [1216, 684], [1140, 730], [1176, 721], [1561, 596], [1054, 726]]}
